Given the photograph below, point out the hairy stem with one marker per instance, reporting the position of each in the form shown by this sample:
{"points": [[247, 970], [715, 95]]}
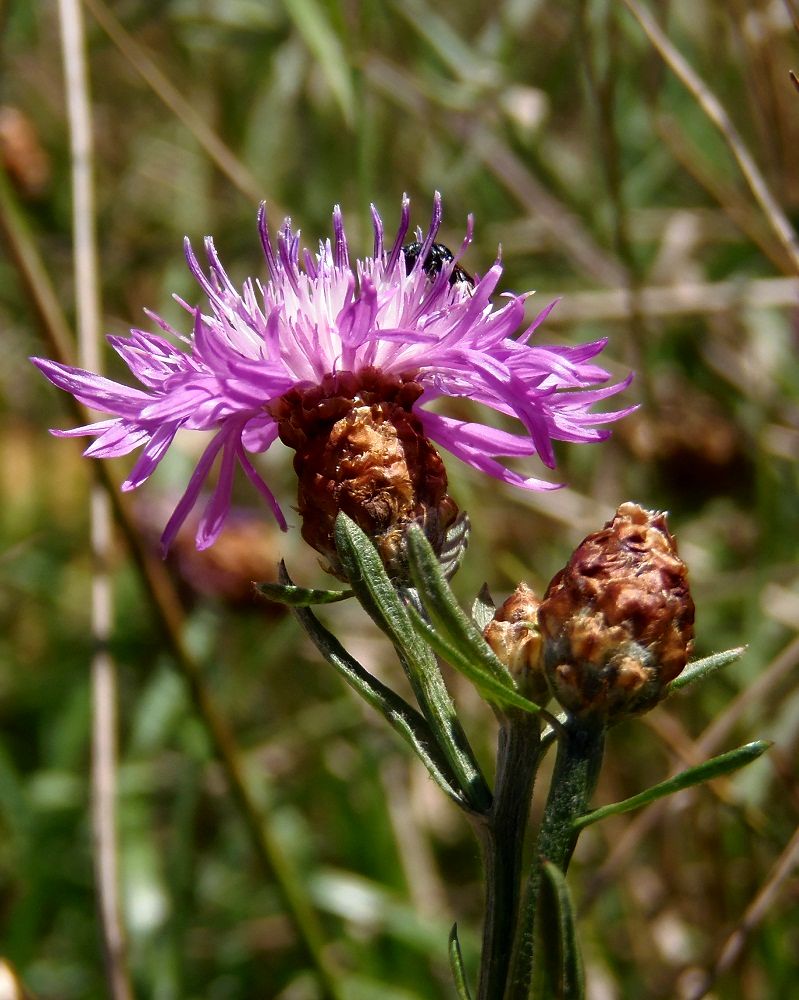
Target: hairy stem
{"points": [[580, 747], [502, 837]]}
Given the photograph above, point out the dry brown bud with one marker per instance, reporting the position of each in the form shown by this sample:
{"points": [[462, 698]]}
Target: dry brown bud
{"points": [[514, 637], [618, 619], [360, 449]]}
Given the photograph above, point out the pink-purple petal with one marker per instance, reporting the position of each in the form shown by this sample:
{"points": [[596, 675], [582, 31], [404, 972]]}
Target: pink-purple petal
{"points": [[213, 517], [153, 452], [190, 497]]}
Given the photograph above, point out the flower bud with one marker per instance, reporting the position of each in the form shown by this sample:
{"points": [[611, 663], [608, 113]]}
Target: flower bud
{"points": [[514, 637], [618, 620]]}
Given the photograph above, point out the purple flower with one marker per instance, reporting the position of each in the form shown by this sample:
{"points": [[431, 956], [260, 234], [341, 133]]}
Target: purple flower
{"points": [[392, 314]]}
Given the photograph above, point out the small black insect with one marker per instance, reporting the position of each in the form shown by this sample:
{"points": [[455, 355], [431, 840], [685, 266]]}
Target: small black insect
{"points": [[438, 256]]}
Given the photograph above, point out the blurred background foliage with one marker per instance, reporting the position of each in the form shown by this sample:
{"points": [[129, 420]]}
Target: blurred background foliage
{"points": [[561, 129]]}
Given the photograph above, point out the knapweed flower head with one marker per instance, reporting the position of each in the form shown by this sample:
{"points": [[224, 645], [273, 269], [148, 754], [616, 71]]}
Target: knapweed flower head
{"points": [[341, 362], [618, 619]]}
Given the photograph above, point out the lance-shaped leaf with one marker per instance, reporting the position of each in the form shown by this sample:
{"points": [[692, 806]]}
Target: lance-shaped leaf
{"points": [[456, 964], [725, 763], [402, 717], [498, 692], [700, 669], [375, 591], [299, 597], [561, 972], [445, 612]]}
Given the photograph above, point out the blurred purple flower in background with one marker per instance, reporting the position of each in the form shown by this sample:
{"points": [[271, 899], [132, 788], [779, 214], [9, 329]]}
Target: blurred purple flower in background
{"points": [[393, 315]]}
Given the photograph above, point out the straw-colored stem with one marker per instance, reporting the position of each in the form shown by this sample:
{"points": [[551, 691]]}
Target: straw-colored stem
{"points": [[756, 912], [717, 114], [135, 54], [103, 669]]}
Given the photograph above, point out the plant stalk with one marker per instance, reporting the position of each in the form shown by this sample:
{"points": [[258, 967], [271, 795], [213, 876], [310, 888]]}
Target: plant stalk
{"points": [[502, 838], [580, 747]]}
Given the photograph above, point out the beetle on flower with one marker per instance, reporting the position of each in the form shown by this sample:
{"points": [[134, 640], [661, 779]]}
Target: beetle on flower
{"points": [[340, 362]]}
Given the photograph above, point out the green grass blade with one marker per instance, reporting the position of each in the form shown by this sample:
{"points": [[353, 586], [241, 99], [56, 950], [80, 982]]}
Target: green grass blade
{"points": [[714, 768], [313, 24], [464, 61]]}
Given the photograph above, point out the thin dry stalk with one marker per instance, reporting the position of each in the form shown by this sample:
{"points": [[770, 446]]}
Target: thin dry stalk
{"points": [[709, 743], [103, 670], [716, 113], [602, 88], [683, 299], [562, 225], [754, 915], [737, 207], [227, 162]]}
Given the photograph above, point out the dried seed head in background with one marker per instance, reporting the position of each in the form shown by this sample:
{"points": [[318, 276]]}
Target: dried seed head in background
{"points": [[618, 619]]}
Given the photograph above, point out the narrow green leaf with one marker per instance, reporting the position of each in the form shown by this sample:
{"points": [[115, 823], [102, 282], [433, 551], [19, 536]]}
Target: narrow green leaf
{"points": [[569, 975], [380, 600], [445, 611], [700, 669], [300, 597], [456, 964], [483, 608], [504, 695], [714, 768], [402, 717], [312, 22]]}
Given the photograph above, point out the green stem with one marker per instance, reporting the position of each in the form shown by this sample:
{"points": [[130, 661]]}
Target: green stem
{"points": [[502, 837], [580, 746]]}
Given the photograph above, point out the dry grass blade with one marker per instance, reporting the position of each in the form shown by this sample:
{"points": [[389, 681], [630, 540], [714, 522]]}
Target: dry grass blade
{"points": [[103, 669], [562, 224], [737, 207], [162, 86], [717, 114], [755, 913], [684, 299], [709, 743]]}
